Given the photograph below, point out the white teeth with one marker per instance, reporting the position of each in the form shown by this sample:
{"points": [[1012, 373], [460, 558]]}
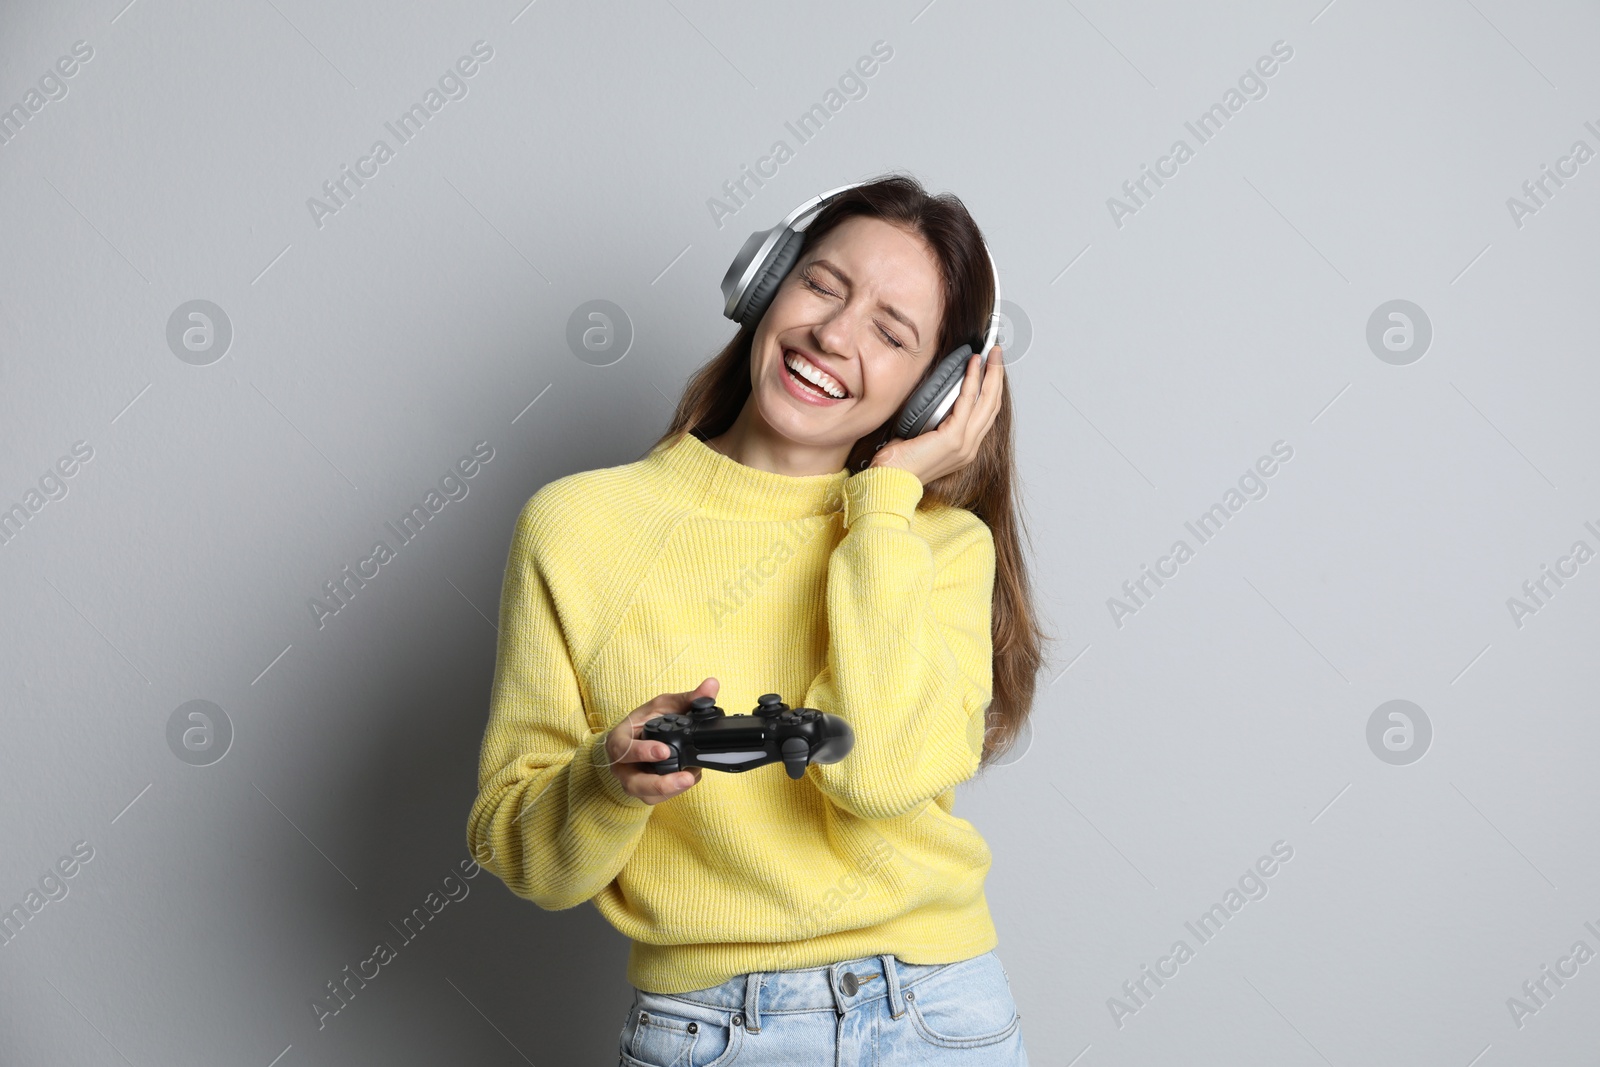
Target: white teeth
{"points": [[815, 375]]}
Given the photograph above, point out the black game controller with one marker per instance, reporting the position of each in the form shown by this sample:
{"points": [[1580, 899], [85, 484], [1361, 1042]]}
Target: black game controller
{"points": [[709, 737]]}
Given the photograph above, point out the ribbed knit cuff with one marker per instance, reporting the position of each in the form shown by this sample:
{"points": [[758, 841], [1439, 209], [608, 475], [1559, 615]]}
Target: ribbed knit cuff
{"points": [[881, 489], [592, 761]]}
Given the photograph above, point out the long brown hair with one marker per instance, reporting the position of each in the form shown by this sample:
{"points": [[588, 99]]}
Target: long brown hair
{"points": [[715, 394]]}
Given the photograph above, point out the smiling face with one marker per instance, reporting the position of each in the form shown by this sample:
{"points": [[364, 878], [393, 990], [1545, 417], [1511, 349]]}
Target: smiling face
{"points": [[860, 314]]}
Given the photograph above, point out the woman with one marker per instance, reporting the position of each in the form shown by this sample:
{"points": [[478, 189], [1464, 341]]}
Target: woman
{"points": [[766, 544]]}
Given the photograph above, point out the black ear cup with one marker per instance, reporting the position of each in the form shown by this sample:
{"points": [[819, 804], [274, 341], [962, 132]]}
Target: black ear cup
{"points": [[765, 285], [921, 412]]}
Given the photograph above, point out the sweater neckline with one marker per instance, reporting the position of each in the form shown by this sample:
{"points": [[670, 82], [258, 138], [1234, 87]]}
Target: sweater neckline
{"points": [[722, 487]]}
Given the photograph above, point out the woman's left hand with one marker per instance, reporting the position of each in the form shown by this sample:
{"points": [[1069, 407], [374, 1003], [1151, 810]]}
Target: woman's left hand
{"points": [[954, 442]]}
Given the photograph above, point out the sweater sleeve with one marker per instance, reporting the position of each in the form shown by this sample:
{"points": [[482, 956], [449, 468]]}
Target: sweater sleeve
{"points": [[909, 661], [553, 821]]}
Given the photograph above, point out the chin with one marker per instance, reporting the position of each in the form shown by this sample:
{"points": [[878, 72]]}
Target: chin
{"points": [[804, 424]]}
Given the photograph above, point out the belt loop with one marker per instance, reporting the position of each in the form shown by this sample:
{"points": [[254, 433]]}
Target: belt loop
{"points": [[891, 976], [752, 1002]]}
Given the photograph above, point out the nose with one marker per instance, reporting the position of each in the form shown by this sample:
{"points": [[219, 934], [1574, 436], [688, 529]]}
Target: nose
{"points": [[833, 335]]}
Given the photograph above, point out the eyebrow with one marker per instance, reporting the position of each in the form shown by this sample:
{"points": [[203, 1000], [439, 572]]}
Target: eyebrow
{"points": [[893, 312]]}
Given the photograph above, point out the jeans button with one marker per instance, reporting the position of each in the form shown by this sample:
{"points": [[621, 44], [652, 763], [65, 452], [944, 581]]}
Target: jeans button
{"points": [[848, 983]]}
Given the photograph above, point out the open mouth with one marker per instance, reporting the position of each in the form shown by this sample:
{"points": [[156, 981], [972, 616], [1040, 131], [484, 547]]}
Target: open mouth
{"points": [[811, 378]]}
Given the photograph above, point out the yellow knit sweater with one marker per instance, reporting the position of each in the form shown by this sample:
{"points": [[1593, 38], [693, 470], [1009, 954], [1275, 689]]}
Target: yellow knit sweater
{"points": [[832, 590]]}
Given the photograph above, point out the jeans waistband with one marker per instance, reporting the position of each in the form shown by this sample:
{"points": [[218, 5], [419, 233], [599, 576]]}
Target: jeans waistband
{"points": [[838, 987]]}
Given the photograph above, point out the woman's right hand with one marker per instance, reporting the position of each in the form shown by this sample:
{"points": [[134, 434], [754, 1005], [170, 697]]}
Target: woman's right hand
{"points": [[626, 750]]}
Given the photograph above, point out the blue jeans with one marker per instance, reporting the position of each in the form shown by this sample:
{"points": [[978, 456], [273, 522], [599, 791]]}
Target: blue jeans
{"points": [[876, 1011]]}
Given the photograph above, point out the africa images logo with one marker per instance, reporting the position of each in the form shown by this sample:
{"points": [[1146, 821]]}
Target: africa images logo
{"points": [[452, 86]]}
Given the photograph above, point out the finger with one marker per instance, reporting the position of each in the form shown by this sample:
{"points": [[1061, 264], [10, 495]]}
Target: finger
{"points": [[994, 366], [994, 376], [664, 703], [641, 751], [989, 415], [619, 751], [982, 371], [625, 742], [679, 701], [636, 718], [658, 787], [957, 416], [707, 688], [636, 750], [983, 403]]}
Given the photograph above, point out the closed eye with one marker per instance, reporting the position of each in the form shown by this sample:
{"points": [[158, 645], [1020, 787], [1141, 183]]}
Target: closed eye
{"points": [[810, 283]]}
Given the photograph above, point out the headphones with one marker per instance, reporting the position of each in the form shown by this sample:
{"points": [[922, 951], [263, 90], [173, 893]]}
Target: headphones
{"points": [[766, 259]]}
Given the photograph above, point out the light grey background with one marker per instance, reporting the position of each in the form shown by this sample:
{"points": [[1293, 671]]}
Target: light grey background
{"points": [[1167, 355]]}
